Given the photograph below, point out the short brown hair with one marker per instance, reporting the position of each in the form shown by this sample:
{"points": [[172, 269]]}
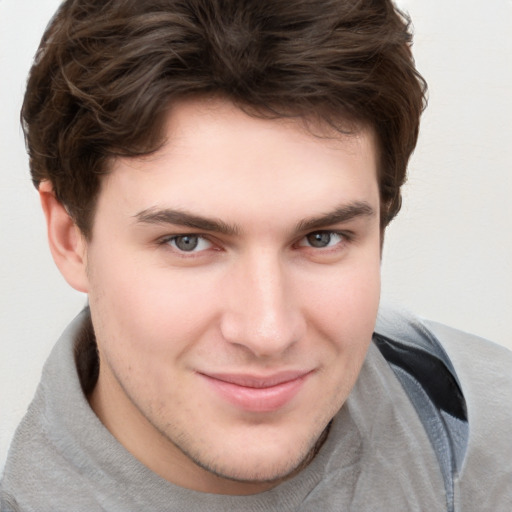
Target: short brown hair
{"points": [[107, 70]]}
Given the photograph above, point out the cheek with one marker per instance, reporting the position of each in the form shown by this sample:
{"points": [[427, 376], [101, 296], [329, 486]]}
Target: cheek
{"points": [[346, 305], [348, 314], [149, 309]]}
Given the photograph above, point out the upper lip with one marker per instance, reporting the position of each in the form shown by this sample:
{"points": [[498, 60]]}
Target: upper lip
{"points": [[258, 381]]}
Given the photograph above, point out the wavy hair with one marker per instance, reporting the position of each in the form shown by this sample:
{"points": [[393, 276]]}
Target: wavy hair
{"points": [[107, 71]]}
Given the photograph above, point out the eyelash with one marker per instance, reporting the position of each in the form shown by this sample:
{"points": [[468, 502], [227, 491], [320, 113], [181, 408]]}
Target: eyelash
{"points": [[167, 240]]}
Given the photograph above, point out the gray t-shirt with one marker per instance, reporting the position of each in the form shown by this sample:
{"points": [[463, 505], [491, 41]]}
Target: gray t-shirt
{"points": [[377, 456]]}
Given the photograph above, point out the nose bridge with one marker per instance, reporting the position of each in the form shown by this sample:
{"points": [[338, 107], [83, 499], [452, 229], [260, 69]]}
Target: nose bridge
{"points": [[262, 315]]}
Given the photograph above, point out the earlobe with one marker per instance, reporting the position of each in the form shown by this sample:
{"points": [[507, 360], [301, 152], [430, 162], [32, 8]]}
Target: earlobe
{"points": [[67, 244]]}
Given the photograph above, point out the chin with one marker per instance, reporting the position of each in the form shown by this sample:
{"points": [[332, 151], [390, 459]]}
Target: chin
{"points": [[267, 472], [263, 463]]}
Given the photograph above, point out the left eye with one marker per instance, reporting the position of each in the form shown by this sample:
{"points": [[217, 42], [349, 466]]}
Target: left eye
{"points": [[188, 243], [321, 239]]}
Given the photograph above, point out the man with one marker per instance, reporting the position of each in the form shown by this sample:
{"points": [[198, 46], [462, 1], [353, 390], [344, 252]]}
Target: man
{"points": [[217, 177]]}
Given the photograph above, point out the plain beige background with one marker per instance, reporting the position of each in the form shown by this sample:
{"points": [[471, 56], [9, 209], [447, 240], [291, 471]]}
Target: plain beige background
{"points": [[447, 257]]}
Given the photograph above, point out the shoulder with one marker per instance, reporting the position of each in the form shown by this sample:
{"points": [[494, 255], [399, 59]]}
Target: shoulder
{"points": [[480, 364], [483, 371], [483, 368], [45, 465]]}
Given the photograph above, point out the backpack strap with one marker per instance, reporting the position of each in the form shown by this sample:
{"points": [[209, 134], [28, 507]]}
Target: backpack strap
{"points": [[426, 373]]}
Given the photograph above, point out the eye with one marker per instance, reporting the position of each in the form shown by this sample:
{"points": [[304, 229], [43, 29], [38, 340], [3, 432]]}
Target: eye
{"points": [[188, 243], [322, 239]]}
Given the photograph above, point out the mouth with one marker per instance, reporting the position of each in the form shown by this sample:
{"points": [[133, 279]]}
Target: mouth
{"points": [[257, 393]]}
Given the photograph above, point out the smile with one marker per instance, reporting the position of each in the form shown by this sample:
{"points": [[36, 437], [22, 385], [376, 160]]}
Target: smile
{"points": [[257, 394]]}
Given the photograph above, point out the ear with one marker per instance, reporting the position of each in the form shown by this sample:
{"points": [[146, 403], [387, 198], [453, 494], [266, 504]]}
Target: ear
{"points": [[67, 244]]}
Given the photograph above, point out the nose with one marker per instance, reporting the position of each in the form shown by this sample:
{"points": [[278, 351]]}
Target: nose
{"points": [[263, 312]]}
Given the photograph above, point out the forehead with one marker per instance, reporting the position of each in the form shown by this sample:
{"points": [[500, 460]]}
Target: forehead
{"points": [[218, 158]]}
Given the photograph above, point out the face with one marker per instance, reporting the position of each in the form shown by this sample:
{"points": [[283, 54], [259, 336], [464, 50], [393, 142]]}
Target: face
{"points": [[233, 280]]}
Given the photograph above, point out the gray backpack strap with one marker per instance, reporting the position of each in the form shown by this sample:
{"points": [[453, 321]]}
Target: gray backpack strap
{"points": [[427, 375]]}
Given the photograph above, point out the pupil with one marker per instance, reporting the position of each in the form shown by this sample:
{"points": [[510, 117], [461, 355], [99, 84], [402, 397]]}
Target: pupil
{"points": [[319, 239], [186, 243]]}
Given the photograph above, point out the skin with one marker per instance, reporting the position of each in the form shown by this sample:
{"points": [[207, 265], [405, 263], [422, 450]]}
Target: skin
{"points": [[284, 277]]}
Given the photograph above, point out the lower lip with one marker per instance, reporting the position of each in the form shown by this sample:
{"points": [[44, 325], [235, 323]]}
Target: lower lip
{"points": [[266, 399]]}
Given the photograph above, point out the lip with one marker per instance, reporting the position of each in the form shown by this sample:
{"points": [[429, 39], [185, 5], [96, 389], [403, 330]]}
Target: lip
{"points": [[257, 393]]}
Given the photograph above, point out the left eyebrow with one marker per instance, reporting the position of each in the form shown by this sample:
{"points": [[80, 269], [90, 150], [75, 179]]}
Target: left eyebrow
{"points": [[343, 213]]}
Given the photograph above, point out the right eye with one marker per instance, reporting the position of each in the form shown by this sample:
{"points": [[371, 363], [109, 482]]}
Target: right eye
{"points": [[187, 243]]}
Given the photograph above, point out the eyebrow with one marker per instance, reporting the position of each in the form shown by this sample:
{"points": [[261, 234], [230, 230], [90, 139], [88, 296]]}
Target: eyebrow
{"points": [[343, 213], [181, 218]]}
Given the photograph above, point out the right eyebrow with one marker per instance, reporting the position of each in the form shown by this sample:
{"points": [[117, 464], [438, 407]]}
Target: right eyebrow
{"points": [[182, 218]]}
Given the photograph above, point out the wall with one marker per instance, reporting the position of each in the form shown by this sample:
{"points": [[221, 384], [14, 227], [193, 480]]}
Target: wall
{"points": [[447, 256]]}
